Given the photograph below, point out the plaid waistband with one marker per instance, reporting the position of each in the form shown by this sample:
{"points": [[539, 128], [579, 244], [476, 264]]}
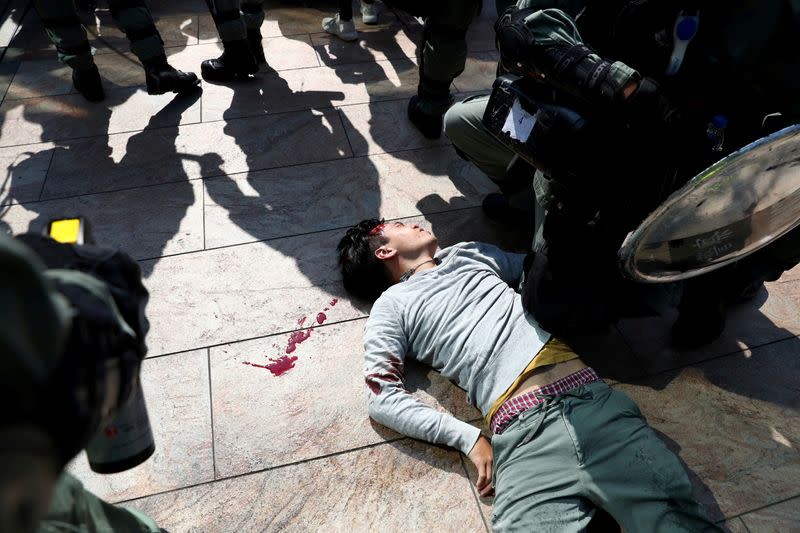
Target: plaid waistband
{"points": [[512, 407]]}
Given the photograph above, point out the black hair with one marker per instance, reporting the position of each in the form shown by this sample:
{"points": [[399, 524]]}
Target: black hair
{"points": [[364, 275]]}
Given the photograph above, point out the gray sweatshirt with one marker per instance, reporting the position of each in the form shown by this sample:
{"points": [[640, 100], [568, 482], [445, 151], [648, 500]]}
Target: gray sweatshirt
{"points": [[462, 318]]}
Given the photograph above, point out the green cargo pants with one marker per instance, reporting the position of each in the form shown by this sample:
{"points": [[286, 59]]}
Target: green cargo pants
{"points": [[234, 17], [64, 29], [443, 51], [75, 509], [588, 448]]}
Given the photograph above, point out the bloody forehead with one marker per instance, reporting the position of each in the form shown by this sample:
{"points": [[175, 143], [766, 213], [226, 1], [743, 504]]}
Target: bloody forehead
{"points": [[377, 229]]}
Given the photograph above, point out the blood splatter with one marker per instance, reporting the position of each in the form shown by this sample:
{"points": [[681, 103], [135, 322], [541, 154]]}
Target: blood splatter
{"points": [[296, 338], [389, 376], [278, 366], [374, 386], [281, 363]]}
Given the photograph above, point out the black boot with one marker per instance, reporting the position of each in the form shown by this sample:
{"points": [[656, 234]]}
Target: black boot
{"points": [[427, 122], [236, 61], [257, 49], [498, 209], [87, 82], [162, 78]]}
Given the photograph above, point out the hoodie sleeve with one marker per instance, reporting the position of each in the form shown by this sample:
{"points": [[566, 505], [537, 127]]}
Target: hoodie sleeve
{"points": [[385, 346]]}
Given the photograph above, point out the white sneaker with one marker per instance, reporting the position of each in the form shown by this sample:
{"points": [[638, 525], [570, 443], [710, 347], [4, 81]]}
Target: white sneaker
{"points": [[344, 29], [370, 12]]}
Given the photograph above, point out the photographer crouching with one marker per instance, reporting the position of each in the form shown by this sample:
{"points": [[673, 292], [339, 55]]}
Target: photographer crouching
{"points": [[71, 347]]}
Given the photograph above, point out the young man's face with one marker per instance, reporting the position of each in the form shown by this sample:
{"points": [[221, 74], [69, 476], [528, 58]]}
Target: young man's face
{"points": [[410, 240]]}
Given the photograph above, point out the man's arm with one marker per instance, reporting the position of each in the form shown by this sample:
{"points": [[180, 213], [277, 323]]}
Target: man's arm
{"points": [[389, 402], [507, 265]]}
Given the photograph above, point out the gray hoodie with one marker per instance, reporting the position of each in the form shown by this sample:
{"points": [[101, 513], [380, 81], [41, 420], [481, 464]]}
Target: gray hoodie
{"points": [[462, 318]]}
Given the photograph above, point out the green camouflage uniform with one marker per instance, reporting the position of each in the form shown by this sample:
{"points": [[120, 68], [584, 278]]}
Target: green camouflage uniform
{"points": [[233, 17], [64, 28]]}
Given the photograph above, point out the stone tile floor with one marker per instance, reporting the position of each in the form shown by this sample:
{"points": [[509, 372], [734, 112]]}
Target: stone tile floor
{"points": [[233, 199]]}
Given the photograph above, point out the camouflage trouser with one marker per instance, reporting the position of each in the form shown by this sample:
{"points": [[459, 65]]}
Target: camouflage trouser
{"points": [[74, 508], [234, 17], [64, 28], [443, 51]]}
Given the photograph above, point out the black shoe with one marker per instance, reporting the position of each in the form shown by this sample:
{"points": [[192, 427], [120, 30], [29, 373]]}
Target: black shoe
{"points": [[87, 82], [162, 78], [430, 125], [496, 207], [256, 48], [237, 61]]}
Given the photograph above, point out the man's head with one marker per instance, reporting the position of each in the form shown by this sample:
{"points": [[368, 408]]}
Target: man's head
{"points": [[374, 254]]}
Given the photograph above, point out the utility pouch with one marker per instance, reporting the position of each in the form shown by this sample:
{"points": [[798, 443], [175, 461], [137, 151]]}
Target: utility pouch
{"points": [[552, 138]]}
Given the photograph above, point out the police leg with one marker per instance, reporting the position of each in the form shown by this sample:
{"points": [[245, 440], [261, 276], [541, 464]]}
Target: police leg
{"points": [[442, 58], [253, 12], [134, 17], [68, 35], [237, 59], [463, 125], [74, 508]]}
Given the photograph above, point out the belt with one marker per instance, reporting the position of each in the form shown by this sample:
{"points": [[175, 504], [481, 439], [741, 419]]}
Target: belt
{"points": [[517, 405]]}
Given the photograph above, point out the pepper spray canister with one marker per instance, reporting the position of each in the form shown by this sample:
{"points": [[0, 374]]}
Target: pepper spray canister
{"points": [[125, 442]]}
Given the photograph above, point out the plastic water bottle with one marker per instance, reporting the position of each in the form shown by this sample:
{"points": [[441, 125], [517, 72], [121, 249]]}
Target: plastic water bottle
{"points": [[716, 132]]}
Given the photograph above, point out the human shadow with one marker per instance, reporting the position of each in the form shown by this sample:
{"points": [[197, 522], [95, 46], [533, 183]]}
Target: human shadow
{"points": [[124, 218]]}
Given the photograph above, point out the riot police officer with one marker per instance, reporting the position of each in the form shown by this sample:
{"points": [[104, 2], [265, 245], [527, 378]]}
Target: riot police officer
{"points": [[670, 87]]}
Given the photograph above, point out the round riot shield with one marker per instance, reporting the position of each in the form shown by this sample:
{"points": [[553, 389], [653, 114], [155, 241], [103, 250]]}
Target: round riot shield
{"points": [[738, 205]]}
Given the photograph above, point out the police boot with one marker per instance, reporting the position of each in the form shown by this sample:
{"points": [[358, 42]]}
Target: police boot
{"points": [[87, 82], [162, 78], [236, 61], [256, 48], [426, 110]]}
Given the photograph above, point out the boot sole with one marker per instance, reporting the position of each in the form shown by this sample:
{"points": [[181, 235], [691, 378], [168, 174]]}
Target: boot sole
{"points": [[229, 76], [177, 90]]}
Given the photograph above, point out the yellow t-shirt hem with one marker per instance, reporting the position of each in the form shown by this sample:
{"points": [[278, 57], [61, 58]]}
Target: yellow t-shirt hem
{"points": [[554, 351]]}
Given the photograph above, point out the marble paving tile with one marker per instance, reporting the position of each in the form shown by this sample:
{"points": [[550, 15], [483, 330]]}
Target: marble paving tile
{"points": [[778, 518], [264, 205], [208, 149], [146, 222], [732, 421], [373, 43], [175, 30], [286, 21], [176, 392], [229, 294], [63, 117], [772, 315], [314, 409], [479, 72], [282, 53], [13, 11], [48, 77], [24, 169], [311, 88], [30, 44], [735, 525], [381, 127], [7, 71], [42, 77], [405, 485]]}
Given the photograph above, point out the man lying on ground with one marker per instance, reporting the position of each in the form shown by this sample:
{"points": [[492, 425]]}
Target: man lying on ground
{"points": [[563, 443]]}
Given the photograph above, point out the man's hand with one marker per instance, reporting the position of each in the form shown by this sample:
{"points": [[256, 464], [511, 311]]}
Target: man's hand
{"points": [[481, 457]]}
